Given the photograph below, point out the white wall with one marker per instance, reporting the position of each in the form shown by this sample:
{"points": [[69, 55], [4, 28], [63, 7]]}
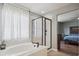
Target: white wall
{"points": [[67, 25], [54, 33]]}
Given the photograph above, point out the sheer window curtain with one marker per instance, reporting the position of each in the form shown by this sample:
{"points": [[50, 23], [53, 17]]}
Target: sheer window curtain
{"points": [[15, 23]]}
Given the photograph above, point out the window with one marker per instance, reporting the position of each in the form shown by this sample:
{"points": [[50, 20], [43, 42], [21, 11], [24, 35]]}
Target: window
{"points": [[15, 23]]}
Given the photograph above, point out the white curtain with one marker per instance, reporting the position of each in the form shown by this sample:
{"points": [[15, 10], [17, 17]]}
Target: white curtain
{"points": [[15, 23]]}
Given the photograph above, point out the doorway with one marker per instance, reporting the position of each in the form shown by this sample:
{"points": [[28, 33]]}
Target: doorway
{"points": [[68, 32]]}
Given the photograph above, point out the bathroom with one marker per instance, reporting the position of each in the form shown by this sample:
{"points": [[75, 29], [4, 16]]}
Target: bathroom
{"points": [[15, 29], [25, 29]]}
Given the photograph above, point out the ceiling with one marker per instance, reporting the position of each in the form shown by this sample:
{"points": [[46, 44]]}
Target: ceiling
{"points": [[73, 15], [43, 8]]}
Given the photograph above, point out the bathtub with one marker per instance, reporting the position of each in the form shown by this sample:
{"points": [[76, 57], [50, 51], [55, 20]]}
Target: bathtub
{"points": [[24, 49]]}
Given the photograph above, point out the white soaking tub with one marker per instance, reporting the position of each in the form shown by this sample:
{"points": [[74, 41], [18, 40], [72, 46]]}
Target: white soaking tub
{"points": [[24, 49]]}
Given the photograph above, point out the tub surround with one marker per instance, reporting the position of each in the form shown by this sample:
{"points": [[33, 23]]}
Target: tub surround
{"points": [[24, 49]]}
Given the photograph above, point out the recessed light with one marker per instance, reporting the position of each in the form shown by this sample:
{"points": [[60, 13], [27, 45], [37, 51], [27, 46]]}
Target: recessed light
{"points": [[78, 18], [42, 12]]}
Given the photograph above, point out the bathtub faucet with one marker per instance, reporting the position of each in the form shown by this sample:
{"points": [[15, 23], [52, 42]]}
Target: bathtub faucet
{"points": [[2, 45], [36, 44]]}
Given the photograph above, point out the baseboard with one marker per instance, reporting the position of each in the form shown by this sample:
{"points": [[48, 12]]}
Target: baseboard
{"points": [[55, 49], [52, 49], [49, 50]]}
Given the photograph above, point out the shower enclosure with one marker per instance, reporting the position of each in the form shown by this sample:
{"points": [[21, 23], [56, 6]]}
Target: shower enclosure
{"points": [[42, 31]]}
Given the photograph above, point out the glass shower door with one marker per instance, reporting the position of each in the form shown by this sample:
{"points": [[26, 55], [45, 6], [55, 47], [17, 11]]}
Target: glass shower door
{"points": [[48, 33], [37, 30], [42, 31]]}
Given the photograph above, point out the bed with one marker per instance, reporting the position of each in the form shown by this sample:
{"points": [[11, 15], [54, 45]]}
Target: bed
{"points": [[73, 38]]}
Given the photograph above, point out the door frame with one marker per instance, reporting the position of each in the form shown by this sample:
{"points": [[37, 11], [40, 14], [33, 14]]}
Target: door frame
{"points": [[58, 41]]}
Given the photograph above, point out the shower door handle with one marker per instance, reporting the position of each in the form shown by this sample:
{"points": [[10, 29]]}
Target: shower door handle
{"points": [[45, 32]]}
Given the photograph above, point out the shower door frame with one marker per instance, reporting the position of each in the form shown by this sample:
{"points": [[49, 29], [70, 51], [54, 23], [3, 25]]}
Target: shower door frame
{"points": [[43, 41], [50, 32]]}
